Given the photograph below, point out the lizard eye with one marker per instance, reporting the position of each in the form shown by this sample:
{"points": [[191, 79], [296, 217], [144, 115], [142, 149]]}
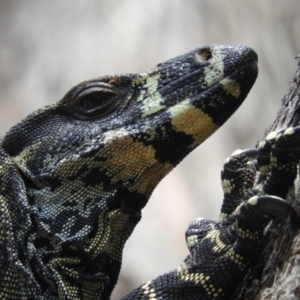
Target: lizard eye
{"points": [[95, 101]]}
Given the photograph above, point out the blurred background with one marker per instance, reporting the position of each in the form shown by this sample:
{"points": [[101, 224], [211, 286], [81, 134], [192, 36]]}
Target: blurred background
{"points": [[46, 47]]}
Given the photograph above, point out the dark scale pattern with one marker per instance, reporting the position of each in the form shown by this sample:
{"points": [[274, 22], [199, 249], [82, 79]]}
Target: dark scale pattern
{"points": [[75, 175], [221, 254]]}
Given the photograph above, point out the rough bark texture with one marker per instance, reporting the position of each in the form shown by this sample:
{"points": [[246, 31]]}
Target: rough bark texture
{"points": [[280, 278]]}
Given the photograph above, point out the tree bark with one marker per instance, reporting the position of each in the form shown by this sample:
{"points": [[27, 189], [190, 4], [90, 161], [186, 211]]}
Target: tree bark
{"points": [[280, 277]]}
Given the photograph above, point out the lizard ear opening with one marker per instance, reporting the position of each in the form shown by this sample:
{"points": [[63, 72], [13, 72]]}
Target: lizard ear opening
{"points": [[95, 102], [204, 54]]}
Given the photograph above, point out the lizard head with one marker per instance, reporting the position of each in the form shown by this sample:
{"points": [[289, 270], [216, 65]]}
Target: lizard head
{"points": [[133, 129], [128, 131], [90, 161]]}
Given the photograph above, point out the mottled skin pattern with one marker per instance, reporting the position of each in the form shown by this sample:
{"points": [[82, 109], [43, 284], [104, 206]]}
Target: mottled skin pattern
{"points": [[75, 175]]}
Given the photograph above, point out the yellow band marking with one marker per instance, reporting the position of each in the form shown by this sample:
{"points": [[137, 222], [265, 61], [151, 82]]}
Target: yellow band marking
{"points": [[129, 160], [192, 121]]}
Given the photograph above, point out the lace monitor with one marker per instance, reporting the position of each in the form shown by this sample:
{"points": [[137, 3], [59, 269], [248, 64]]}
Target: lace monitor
{"points": [[75, 175]]}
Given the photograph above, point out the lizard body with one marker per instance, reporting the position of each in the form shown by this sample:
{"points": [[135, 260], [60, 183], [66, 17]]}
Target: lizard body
{"points": [[75, 175]]}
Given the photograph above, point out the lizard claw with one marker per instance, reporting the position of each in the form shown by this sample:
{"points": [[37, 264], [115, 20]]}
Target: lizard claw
{"points": [[272, 206]]}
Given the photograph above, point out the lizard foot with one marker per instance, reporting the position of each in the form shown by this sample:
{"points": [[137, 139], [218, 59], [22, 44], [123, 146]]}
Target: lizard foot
{"points": [[254, 182], [278, 159], [237, 177]]}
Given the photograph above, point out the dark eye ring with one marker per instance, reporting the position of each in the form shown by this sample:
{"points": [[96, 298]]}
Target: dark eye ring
{"points": [[95, 101]]}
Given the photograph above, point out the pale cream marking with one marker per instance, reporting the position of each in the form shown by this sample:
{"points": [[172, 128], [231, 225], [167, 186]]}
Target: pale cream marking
{"points": [[231, 87], [149, 292], [214, 72], [253, 200], [236, 258], [248, 234], [271, 135], [264, 170], [214, 237], [261, 145], [222, 217], [191, 241], [201, 278], [140, 80], [152, 103], [227, 186], [289, 131]]}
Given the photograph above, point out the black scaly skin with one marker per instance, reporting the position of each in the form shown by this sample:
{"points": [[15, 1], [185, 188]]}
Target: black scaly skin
{"points": [[75, 175], [221, 254]]}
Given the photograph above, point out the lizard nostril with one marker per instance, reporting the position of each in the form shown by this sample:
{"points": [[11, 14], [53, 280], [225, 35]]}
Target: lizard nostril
{"points": [[204, 55]]}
